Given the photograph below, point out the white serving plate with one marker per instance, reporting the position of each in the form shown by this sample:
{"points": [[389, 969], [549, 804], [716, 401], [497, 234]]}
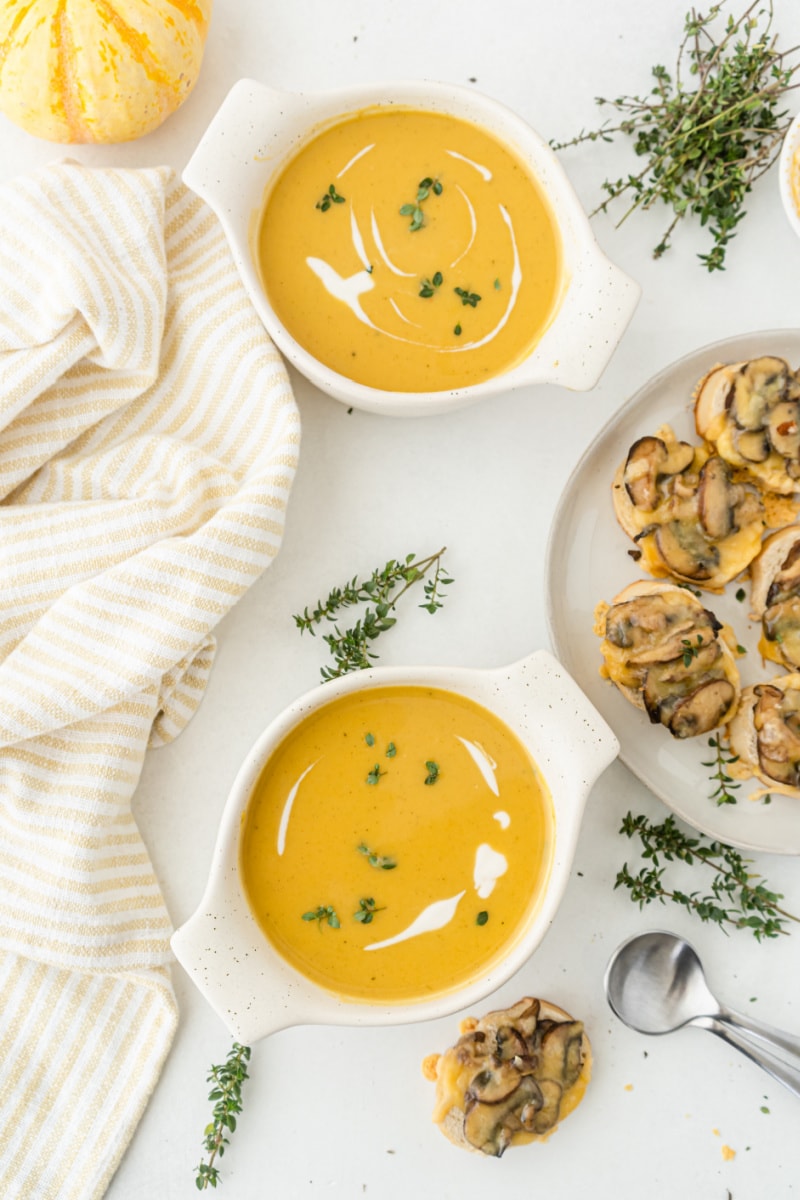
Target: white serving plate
{"points": [[588, 561]]}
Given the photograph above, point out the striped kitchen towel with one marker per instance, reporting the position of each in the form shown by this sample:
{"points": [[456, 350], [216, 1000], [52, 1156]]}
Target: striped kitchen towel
{"points": [[148, 443]]}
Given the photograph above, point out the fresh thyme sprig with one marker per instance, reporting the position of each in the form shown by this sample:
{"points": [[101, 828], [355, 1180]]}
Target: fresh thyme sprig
{"points": [[734, 900], [227, 1096], [705, 146], [350, 648], [725, 782]]}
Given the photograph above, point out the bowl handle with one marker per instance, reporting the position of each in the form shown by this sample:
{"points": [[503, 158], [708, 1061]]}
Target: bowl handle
{"points": [[596, 310], [592, 744], [214, 172]]}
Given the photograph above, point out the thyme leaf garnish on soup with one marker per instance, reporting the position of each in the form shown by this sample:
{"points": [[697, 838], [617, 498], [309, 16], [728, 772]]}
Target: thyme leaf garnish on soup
{"points": [[383, 862], [708, 132], [470, 298], [375, 774], [433, 772], [366, 910], [323, 912], [428, 287], [351, 648], [424, 189], [330, 197]]}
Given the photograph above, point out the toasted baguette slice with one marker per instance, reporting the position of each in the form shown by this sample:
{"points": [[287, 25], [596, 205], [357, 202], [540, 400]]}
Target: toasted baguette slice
{"points": [[670, 656], [763, 736], [690, 518], [750, 413], [775, 596], [511, 1076]]}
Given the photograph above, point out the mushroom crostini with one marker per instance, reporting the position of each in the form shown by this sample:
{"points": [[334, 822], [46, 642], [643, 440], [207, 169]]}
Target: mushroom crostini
{"points": [[765, 734], [687, 515], [510, 1077], [750, 413], [670, 656], [775, 596]]}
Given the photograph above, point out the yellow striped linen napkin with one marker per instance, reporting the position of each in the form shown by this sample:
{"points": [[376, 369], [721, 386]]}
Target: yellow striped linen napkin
{"points": [[148, 443]]}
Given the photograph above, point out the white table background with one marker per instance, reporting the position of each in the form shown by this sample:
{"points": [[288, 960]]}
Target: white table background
{"points": [[346, 1112]]}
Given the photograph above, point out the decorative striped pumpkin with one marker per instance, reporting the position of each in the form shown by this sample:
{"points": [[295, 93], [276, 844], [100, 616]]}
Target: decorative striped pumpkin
{"points": [[98, 70]]}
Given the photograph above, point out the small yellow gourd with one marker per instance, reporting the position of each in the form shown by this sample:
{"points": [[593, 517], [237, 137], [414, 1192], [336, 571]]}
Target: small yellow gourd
{"points": [[98, 70]]}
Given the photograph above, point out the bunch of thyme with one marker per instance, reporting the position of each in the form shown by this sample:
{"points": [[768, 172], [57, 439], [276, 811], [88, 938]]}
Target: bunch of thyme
{"points": [[734, 899], [350, 648], [710, 132], [227, 1096]]}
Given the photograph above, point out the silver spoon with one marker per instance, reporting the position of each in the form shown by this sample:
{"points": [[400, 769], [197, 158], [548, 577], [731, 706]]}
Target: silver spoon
{"points": [[655, 983]]}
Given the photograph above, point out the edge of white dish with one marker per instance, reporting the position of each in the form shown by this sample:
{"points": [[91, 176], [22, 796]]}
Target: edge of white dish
{"points": [[648, 750]]}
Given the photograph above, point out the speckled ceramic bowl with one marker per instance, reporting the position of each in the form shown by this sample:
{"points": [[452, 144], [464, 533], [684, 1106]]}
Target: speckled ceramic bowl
{"points": [[253, 989], [789, 174], [257, 129]]}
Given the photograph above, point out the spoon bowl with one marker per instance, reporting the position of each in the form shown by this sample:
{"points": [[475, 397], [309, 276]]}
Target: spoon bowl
{"points": [[655, 984]]}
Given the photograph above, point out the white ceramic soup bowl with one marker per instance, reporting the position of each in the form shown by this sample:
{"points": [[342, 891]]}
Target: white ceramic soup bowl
{"points": [[257, 129], [254, 989]]}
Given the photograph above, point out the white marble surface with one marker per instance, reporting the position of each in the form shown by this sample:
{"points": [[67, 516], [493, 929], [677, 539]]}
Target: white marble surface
{"points": [[343, 1112]]}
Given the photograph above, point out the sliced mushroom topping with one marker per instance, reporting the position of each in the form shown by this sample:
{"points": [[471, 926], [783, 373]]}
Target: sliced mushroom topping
{"points": [[666, 684], [703, 709], [687, 640], [784, 428], [560, 1055], [790, 567], [547, 1116], [471, 1046], [490, 1127], [686, 551], [510, 1044], [777, 733], [494, 1083], [781, 623], [716, 498], [753, 444], [761, 383], [645, 461]]}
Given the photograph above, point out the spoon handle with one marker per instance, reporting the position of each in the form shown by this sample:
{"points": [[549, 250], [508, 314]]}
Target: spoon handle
{"points": [[777, 1039], [784, 1072]]}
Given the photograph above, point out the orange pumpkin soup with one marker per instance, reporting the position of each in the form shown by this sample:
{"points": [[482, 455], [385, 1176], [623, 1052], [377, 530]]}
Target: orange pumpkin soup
{"points": [[396, 844], [410, 251]]}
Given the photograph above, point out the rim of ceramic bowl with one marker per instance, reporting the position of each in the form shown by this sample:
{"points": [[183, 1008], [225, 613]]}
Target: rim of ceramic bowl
{"points": [[585, 265], [789, 174], [224, 912]]}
